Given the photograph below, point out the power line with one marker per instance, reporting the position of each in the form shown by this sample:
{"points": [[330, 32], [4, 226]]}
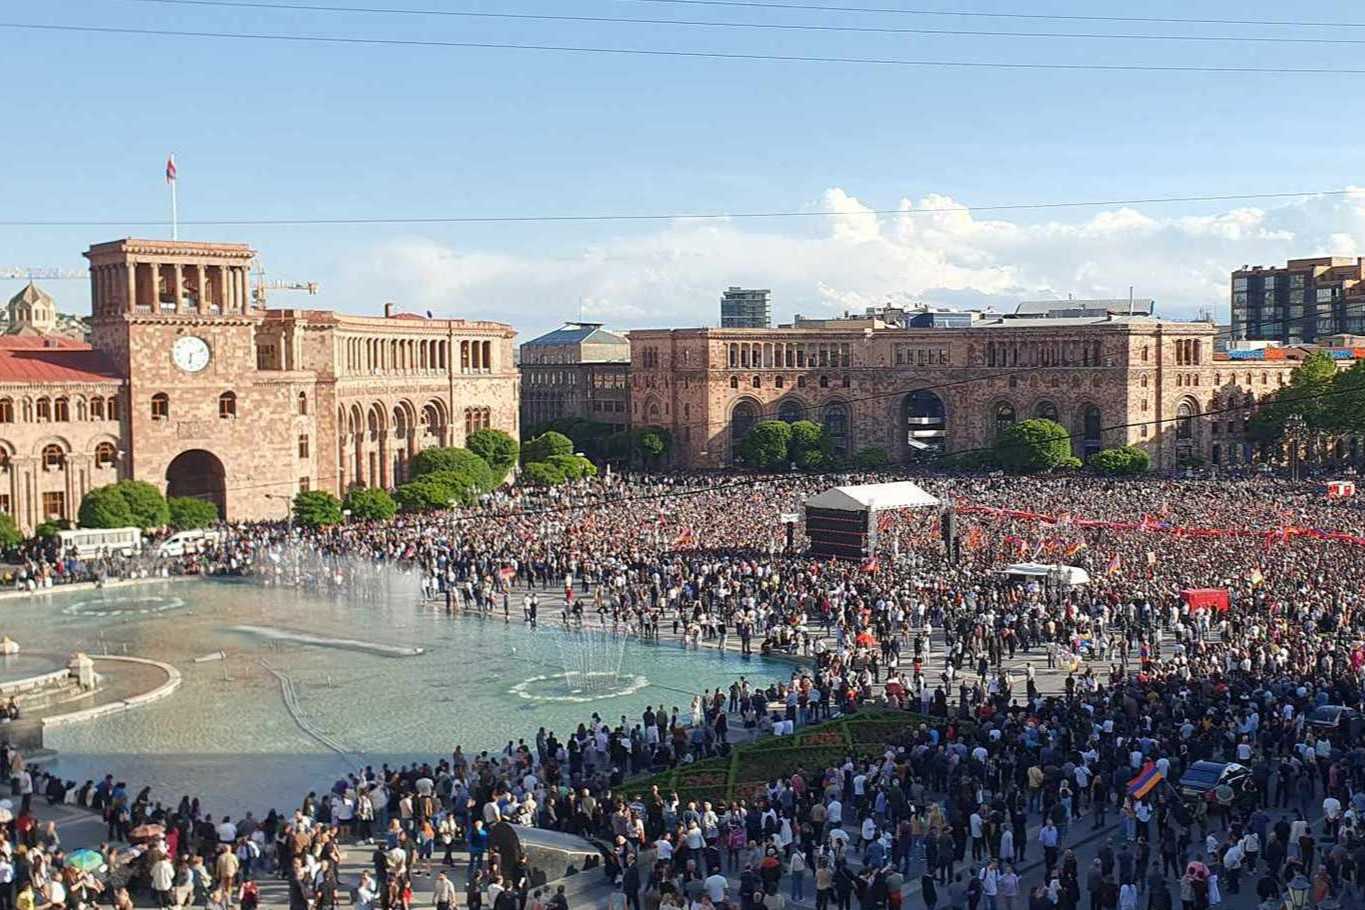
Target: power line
{"points": [[754, 26], [1167, 20], [693, 55], [690, 216]]}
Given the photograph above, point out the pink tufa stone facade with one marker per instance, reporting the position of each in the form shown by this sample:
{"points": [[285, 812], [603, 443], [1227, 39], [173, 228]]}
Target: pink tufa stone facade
{"points": [[1111, 382], [189, 385]]}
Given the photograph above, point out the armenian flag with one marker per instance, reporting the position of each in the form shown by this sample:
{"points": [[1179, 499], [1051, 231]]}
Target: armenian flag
{"points": [[1145, 782]]}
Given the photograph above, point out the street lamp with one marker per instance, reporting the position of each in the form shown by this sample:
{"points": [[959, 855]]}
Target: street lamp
{"points": [[1294, 429], [1298, 892]]}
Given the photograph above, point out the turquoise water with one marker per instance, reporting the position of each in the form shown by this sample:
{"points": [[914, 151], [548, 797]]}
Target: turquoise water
{"points": [[228, 735]]}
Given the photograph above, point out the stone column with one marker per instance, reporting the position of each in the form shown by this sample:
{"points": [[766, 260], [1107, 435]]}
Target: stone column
{"points": [[130, 304], [178, 288], [203, 290]]}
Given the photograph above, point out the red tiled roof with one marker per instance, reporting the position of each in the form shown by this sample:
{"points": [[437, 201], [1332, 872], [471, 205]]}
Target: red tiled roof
{"points": [[54, 365], [40, 342]]}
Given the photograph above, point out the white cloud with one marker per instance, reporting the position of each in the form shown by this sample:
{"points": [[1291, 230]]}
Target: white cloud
{"points": [[672, 275]]}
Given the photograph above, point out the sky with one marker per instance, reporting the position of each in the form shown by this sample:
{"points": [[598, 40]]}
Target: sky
{"points": [[286, 130]]}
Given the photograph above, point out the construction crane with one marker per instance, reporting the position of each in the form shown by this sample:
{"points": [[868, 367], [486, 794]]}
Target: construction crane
{"points": [[262, 286], [25, 274]]}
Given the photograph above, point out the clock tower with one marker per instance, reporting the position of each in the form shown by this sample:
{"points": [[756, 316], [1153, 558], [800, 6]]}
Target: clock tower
{"points": [[177, 319]]}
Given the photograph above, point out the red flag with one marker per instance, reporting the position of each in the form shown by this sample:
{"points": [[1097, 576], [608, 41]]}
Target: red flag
{"points": [[170, 169], [1114, 565]]}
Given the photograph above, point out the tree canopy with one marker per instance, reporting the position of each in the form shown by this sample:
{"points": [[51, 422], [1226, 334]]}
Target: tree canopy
{"points": [[369, 504], [461, 469], [317, 509], [546, 444], [128, 503], [495, 447], [1034, 445], [188, 512], [542, 473], [9, 532], [765, 446], [1121, 461]]}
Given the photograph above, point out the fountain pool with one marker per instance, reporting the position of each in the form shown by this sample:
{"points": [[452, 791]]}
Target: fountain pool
{"points": [[313, 686]]}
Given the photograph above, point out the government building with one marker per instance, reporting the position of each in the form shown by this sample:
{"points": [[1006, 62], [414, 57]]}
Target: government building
{"points": [[188, 383], [1109, 377]]}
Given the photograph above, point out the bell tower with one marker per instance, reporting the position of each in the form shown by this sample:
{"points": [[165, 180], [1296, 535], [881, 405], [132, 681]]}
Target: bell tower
{"points": [[177, 319]]}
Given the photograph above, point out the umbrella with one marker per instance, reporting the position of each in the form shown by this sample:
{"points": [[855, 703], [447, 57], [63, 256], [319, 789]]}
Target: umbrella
{"points": [[145, 832], [85, 860], [1197, 869]]}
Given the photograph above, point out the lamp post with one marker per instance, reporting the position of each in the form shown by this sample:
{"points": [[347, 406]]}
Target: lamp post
{"points": [[1298, 892], [1294, 428]]}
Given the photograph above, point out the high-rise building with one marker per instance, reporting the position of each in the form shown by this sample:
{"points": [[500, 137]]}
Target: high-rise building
{"points": [[1306, 300], [746, 308]]}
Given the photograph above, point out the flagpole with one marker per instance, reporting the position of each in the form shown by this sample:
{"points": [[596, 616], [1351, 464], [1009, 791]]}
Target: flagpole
{"points": [[175, 219]]}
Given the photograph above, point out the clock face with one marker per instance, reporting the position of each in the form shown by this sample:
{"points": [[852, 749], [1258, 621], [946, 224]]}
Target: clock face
{"points": [[190, 353]]}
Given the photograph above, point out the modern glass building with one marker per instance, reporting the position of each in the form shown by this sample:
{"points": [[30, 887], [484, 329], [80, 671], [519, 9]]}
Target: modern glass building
{"points": [[1306, 300]]}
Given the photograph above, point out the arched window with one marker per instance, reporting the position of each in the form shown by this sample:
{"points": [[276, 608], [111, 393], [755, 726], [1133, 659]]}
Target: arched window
{"points": [[61, 410], [105, 454], [824, 382], [6, 410], [757, 382], [1046, 410], [161, 406], [1144, 380], [4, 460], [111, 408], [227, 404], [836, 426], [779, 381], [81, 412], [97, 408], [1184, 421], [53, 457], [1004, 416], [44, 410], [303, 402], [800, 382], [734, 382]]}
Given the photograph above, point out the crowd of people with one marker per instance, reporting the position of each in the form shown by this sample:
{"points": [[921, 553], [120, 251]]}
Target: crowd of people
{"points": [[1037, 704]]}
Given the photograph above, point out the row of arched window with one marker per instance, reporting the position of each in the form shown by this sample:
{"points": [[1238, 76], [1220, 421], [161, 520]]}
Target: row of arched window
{"points": [[53, 456], [227, 405], [59, 409], [790, 356], [779, 382], [476, 419], [409, 354]]}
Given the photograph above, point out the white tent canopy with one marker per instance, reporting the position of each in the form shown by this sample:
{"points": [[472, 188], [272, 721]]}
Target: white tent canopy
{"points": [[873, 497], [1069, 575]]}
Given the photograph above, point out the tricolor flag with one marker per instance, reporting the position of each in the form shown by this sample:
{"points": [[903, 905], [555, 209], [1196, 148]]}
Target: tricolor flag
{"points": [[1114, 565], [170, 169], [1256, 576], [1145, 782]]}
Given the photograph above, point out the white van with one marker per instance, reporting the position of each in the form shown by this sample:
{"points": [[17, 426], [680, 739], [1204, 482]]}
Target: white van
{"points": [[189, 542], [88, 542]]}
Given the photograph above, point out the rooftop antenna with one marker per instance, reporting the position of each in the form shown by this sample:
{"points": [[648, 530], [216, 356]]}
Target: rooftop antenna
{"points": [[1130, 300]]}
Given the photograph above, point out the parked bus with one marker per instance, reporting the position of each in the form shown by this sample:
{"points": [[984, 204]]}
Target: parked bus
{"points": [[88, 542]]}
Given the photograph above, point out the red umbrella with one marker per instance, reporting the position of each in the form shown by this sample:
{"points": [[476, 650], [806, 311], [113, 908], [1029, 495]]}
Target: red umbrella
{"points": [[1197, 869]]}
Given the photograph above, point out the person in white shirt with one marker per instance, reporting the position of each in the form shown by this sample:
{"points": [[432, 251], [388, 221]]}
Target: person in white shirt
{"points": [[227, 831], [715, 887]]}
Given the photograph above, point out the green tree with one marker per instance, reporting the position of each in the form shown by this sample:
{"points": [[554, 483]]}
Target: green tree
{"points": [[48, 529], [573, 467], [542, 473], [145, 502], [809, 446], [871, 458], [1121, 461], [495, 447], [1346, 406], [369, 504], [766, 445], [105, 507], [317, 509], [545, 445], [1034, 445], [454, 460], [425, 494], [653, 443], [188, 512], [1308, 394], [9, 532]]}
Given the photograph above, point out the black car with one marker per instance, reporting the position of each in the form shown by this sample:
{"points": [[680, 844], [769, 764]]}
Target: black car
{"points": [[1334, 717], [1216, 781]]}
